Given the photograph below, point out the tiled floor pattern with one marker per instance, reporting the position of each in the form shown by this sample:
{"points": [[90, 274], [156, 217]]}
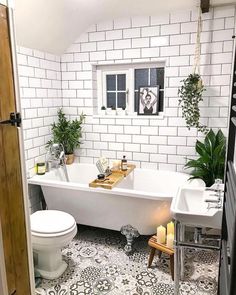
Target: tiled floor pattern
{"points": [[98, 265]]}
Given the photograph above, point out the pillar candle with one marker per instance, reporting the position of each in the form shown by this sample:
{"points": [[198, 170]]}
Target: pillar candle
{"points": [[170, 228], [161, 234], [170, 241]]}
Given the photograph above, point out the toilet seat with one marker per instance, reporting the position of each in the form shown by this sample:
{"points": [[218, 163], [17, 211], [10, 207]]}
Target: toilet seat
{"points": [[51, 223]]}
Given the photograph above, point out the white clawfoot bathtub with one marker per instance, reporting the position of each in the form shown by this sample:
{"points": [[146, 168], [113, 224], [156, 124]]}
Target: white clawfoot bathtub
{"points": [[142, 199]]}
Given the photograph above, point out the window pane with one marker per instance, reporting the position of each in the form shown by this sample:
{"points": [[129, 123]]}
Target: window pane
{"points": [[111, 82], [121, 103], [153, 77], [161, 101], [111, 100], [121, 79], [157, 77], [136, 101], [141, 78]]}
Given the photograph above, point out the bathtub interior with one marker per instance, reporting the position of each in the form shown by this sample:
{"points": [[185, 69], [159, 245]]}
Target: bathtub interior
{"points": [[78, 173], [149, 181]]}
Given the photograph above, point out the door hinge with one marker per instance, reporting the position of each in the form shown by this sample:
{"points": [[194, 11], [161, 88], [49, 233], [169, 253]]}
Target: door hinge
{"points": [[14, 120]]}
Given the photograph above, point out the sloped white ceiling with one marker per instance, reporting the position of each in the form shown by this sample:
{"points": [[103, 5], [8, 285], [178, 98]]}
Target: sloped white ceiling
{"points": [[53, 25]]}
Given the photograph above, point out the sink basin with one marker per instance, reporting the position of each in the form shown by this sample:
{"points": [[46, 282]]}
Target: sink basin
{"points": [[189, 207]]}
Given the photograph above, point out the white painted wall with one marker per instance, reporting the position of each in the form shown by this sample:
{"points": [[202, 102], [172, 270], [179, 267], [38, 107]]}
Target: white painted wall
{"points": [[57, 23]]}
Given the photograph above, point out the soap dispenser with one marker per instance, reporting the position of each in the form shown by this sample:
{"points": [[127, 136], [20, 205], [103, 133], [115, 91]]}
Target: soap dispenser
{"points": [[124, 166]]}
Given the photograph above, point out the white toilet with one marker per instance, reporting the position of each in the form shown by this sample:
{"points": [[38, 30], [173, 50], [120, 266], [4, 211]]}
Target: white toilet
{"points": [[51, 230]]}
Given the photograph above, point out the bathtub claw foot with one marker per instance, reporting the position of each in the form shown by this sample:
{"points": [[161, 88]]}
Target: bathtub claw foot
{"points": [[130, 233]]}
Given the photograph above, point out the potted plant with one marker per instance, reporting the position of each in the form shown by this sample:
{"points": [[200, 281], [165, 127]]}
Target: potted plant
{"points": [[68, 133], [113, 110], [190, 95], [211, 162], [121, 111], [103, 110]]}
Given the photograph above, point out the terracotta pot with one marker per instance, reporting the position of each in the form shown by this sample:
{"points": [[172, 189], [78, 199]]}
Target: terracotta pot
{"points": [[69, 159]]}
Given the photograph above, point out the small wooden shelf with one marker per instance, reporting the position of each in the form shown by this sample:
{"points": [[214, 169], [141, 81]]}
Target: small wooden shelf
{"points": [[161, 248]]}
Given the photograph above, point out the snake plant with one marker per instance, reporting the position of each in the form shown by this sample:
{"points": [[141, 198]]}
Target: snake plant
{"points": [[211, 161]]}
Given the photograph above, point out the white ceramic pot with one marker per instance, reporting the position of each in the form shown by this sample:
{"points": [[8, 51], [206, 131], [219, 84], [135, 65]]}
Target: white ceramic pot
{"points": [[103, 112], [121, 112], [108, 111]]}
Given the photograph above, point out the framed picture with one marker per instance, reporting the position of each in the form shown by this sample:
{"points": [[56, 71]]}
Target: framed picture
{"points": [[148, 100]]}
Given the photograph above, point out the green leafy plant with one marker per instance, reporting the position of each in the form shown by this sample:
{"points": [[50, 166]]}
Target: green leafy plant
{"points": [[190, 94], [211, 162], [67, 132], [103, 108]]}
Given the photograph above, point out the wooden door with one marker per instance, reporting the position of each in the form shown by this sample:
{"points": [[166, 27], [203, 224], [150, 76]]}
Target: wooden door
{"points": [[11, 191]]}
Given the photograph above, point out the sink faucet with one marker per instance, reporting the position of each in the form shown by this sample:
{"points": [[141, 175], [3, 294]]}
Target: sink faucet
{"points": [[218, 202]]}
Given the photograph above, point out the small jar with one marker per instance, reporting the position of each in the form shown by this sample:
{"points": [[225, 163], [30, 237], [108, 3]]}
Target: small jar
{"points": [[40, 168]]}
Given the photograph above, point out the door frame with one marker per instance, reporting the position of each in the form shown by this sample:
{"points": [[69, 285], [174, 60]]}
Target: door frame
{"points": [[3, 277], [10, 7]]}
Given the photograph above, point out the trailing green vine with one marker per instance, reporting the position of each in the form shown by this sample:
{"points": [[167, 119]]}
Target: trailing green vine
{"points": [[190, 95]]}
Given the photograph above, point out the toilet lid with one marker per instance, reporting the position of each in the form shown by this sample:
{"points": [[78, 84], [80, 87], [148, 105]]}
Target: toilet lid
{"points": [[51, 221]]}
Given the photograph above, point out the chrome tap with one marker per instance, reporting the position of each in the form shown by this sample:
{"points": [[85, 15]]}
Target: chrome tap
{"points": [[218, 202], [56, 158]]}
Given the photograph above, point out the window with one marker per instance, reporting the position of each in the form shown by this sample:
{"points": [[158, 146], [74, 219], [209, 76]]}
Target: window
{"points": [[116, 91], [118, 85]]}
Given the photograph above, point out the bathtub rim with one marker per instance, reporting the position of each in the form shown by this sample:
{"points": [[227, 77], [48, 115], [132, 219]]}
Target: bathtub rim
{"points": [[115, 191]]}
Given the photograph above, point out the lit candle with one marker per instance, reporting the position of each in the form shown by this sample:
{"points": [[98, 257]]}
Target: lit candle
{"points": [[116, 165], [170, 241], [170, 228], [161, 234]]}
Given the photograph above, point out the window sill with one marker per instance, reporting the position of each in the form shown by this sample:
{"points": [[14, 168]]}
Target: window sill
{"points": [[130, 116]]}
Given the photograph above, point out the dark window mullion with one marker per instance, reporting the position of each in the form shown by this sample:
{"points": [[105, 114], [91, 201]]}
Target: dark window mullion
{"points": [[116, 91]]}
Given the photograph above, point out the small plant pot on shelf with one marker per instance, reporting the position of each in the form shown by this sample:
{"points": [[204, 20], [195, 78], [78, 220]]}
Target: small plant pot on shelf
{"points": [[111, 112], [70, 159], [108, 111], [103, 112], [121, 112]]}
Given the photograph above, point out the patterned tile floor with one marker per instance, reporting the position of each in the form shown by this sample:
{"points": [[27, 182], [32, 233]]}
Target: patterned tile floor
{"points": [[98, 265]]}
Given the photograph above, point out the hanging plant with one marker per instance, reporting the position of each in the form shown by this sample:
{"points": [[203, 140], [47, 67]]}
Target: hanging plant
{"points": [[190, 93]]}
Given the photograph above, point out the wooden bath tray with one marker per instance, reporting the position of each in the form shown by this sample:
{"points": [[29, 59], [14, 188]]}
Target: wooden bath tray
{"points": [[112, 180], [127, 172]]}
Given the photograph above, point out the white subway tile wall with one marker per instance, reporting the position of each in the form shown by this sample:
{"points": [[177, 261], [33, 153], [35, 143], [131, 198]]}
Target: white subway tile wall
{"points": [[41, 96], [157, 143]]}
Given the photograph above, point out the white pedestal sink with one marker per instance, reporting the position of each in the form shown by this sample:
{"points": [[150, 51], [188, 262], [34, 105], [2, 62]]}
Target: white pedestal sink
{"points": [[190, 208]]}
